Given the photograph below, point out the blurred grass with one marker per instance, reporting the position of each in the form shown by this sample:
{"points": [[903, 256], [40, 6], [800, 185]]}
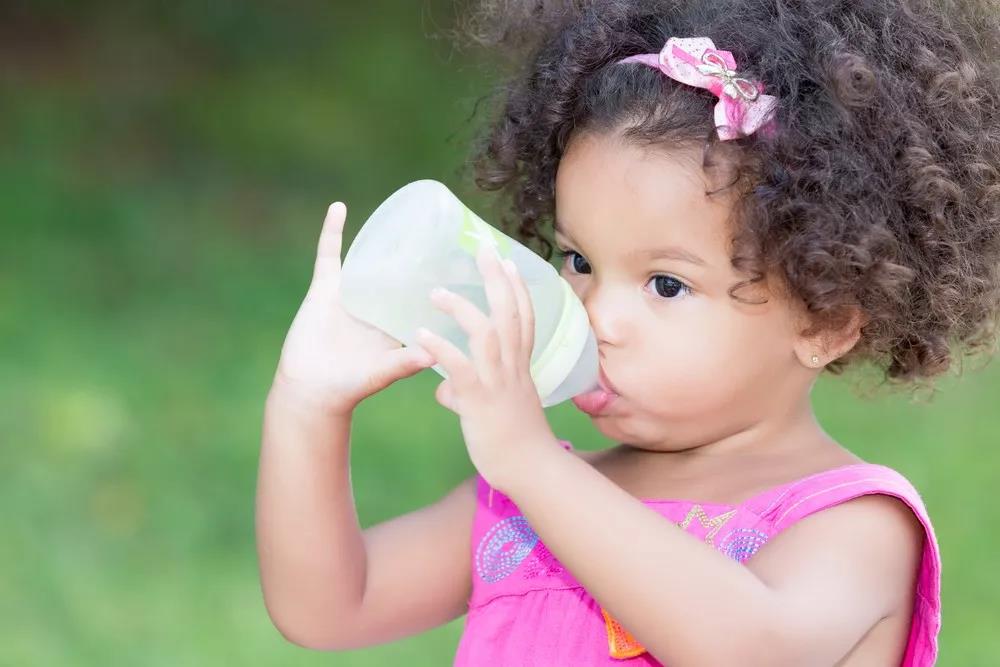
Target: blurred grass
{"points": [[164, 170]]}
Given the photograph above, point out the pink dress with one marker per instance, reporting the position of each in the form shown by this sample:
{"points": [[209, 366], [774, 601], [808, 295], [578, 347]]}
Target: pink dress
{"points": [[526, 610]]}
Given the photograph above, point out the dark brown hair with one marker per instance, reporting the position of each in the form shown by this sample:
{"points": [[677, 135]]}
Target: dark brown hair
{"points": [[880, 189]]}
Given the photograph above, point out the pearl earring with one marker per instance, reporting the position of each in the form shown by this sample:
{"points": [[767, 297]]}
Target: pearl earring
{"points": [[815, 360]]}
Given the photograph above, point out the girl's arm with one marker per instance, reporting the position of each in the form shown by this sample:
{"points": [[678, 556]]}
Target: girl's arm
{"points": [[806, 598], [327, 584]]}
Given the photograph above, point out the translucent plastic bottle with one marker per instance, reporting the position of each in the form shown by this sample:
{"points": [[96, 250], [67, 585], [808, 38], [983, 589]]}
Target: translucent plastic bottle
{"points": [[423, 237]]}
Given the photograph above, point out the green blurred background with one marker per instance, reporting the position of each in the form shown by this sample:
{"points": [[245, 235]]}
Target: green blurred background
{"points": [[164, 172]]}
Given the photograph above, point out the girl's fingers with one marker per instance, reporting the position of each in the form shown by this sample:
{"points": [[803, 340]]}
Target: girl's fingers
{"points": [[458, 367], [327, 265], [484, 344], [445, 396], [503, 305], [524, 306]]}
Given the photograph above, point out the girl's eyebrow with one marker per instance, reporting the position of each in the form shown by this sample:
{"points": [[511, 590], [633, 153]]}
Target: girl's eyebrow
{"points": [[668, 252], [671, 252]]}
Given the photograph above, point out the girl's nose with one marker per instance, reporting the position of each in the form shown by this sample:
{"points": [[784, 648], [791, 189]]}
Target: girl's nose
{"points": [[608, 313]]}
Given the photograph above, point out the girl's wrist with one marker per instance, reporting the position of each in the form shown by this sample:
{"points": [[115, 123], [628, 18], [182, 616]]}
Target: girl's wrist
{"points": [[288, 395], [521, 467], [293, 422]]}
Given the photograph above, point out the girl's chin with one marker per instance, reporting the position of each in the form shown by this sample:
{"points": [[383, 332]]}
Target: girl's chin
{"points": [[611, 426]]}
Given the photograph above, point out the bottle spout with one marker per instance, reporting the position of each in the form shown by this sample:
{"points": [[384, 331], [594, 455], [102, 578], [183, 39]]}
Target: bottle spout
{"points": [[593, 387]]}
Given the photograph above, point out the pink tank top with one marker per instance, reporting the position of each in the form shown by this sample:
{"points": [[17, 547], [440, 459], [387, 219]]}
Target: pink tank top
{"points": [[527, 610]]}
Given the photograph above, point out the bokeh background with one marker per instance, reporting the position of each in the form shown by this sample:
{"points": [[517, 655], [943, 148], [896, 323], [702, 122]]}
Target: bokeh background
{"points": [[164, 172]]}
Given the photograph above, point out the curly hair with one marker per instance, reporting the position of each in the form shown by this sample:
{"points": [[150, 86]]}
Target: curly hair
{"points": [[880, 190]]}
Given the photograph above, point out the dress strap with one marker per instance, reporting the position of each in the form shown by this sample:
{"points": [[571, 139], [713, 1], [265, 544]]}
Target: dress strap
{"points": [[794, 502]]}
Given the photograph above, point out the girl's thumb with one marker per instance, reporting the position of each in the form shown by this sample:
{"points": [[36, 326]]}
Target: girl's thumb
{"points": [[398, 364], [330, 242]]}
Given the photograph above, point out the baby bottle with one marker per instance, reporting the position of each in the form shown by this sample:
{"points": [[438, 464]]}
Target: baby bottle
{"points": [[423, 237]]}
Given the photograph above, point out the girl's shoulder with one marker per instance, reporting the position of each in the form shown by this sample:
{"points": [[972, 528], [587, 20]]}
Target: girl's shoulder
{"points": [[860, 513], [787, 503]]}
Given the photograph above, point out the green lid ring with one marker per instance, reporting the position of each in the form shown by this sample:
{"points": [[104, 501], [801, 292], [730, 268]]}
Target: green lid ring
{"points": [[564, 347], [473, 231]]}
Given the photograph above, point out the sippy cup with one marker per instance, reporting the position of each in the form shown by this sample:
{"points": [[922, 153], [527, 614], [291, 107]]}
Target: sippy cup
{"points": [[423, 237]]}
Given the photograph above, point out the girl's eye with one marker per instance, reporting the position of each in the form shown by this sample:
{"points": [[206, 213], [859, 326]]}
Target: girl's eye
{"points": [[669, 287], [576, 260], [666, 287]]}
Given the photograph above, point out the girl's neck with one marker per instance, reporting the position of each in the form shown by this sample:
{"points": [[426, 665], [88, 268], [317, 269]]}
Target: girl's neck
{"points": [[780, 447]]}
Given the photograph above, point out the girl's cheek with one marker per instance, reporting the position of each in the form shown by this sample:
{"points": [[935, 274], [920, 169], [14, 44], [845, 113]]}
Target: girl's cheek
{"points": [[693, 356]]}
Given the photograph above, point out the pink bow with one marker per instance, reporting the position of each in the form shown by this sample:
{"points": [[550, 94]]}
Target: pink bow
{"points": [[742, 109]]}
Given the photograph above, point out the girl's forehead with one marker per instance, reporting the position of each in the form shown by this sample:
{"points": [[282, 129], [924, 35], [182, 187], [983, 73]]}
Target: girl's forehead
{"points": [[611, 193]]}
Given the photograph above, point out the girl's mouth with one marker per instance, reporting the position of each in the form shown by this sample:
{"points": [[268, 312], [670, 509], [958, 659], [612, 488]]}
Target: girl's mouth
{"points": [[597, 401], [594, 402]]}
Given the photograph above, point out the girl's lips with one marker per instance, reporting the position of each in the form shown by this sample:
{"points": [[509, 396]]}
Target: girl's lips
{"points": [[606, 383], [596, 401]]}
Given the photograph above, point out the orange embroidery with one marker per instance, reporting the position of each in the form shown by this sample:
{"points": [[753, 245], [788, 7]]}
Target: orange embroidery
{"points": [[621, 644]]}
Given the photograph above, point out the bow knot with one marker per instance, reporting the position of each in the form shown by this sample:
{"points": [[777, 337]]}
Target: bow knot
{"points": [[732, 85], [743, 108]]}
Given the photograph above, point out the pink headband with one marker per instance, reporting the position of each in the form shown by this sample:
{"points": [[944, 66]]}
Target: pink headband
{"points": [[742, 107]]}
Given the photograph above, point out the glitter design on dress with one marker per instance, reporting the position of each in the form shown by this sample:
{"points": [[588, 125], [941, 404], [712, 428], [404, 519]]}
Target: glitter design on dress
{"points": [[504, 546], [542, 564], [713, 524], [742, 543]]}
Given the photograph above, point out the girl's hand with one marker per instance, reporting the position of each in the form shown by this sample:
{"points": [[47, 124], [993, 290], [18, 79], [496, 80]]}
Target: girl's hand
{"points": [[330, 359], [493, 393]]}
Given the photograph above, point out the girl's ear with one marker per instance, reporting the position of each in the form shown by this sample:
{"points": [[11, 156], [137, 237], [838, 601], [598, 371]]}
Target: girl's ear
{"points": [[818, 348]]}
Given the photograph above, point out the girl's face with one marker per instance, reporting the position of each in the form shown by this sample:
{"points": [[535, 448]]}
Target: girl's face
{"points": [[648, 254]]}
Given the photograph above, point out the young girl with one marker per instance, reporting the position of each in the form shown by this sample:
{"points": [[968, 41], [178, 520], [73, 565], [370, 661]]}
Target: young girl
{"points": [[745, 194]]}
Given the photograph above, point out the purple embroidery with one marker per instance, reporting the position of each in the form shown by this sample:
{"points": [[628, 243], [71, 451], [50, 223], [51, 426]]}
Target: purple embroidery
{"points": [[504, 546], [741, 543]]}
